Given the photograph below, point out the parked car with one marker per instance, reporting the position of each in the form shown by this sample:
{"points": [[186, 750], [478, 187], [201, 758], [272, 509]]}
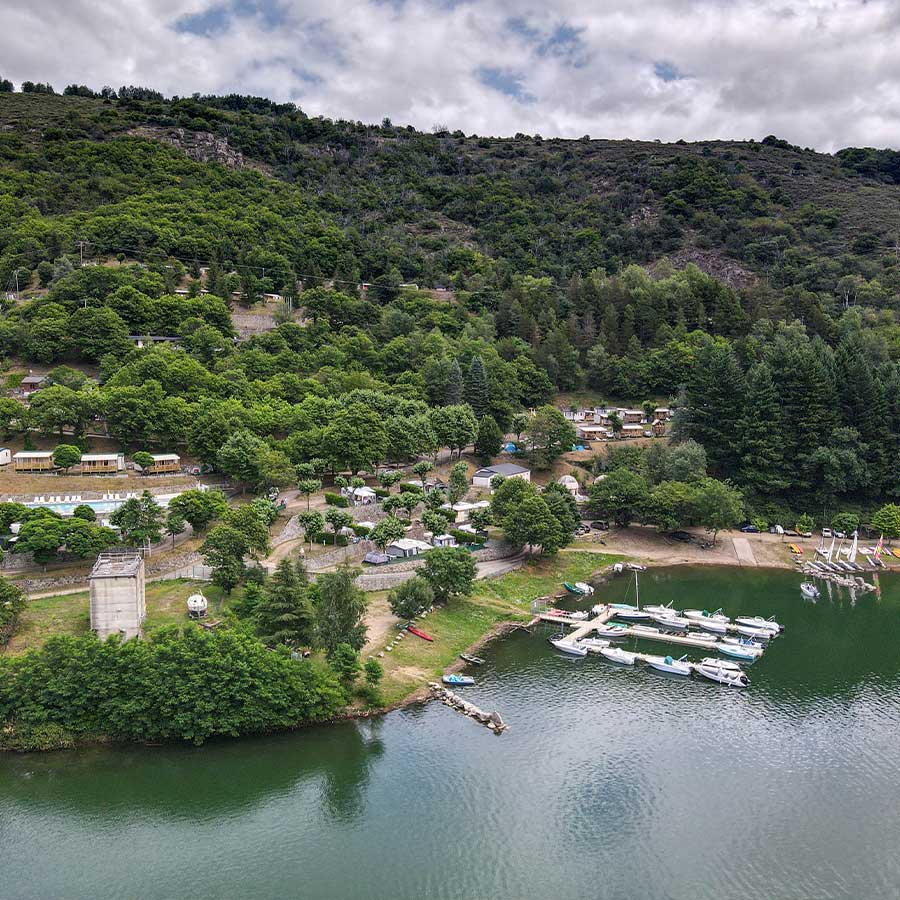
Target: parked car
{"points": [[805, 534], [826, 532], [791, 533], [840, 534], [600, 526], [750, 529], [684, 536]]}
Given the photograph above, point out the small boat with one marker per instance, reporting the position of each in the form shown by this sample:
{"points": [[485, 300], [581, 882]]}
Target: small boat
{"points": [[661, 610], [797, 551], [419, 633], [458, 680], [578, 588], [474, 660], [670, 665], [566, 646], [758, 622], [592, 643], [744, 642], [701, 615], [712, 625], [740, 651], [612, 632], [808, 589], [584, 588], [759, 634], [618, 655], [723, 672], [678, 623], [895, 551]]}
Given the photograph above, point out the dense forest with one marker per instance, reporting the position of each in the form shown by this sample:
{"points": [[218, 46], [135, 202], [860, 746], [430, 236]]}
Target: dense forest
{"points": [[754, 285]]}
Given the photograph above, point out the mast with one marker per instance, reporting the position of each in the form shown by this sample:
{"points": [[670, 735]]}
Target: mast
{"points": [[637, 590]]}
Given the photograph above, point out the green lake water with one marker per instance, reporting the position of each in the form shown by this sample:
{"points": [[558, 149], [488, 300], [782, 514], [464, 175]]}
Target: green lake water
{"points": [[611, 783]]}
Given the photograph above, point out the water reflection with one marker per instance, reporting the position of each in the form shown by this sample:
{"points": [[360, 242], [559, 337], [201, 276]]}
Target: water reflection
{"points": [[219, 779]]}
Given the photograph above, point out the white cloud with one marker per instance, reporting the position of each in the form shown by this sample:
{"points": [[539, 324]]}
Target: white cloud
{"points": [[824, 74]]}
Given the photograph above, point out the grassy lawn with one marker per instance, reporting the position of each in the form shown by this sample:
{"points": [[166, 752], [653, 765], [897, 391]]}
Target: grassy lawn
{"points": [[413, 661], [70, 613]]}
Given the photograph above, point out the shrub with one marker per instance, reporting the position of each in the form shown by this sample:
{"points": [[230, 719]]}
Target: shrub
{"points": [[12, 602], [336, 499], [380, 493], [360, 530], [466, 537]]}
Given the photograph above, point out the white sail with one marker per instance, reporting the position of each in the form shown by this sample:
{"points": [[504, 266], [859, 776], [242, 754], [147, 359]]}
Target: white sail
{"points": [[851, 556], [830, 551]]}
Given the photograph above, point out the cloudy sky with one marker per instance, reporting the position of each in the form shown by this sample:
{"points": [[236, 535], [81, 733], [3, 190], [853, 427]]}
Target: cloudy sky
{"points": [[821, 73]]}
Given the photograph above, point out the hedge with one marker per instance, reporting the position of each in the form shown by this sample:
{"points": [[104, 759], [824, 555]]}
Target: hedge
{"points": [[336, 499]]}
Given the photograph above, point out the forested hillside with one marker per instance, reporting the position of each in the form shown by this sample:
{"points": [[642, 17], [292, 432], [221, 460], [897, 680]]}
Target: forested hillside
{"points": [[756, 284]]}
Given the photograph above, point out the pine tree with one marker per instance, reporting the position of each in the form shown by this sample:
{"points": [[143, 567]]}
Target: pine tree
{"points": [[477, 392], [284, 614], [762, 465], [454, 385], [713, 399]]}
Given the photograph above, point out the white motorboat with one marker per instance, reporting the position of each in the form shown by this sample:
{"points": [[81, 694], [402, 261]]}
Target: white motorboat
{"points": [[712, 625], [740, 651], [617, 655], [661, 610], [670, 665], [592, 643], [759, 634], [808, 589], [723, 672], [701, 615], [612, 632], [744, 642], [672, 621], [566, 646], [758, 622], [580, 615], [585, 588]]}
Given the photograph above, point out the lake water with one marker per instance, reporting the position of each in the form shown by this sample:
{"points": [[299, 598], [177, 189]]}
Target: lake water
{"points": [[612, 783]]}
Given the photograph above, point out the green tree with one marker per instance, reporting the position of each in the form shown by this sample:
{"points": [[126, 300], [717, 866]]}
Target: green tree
{"points": [[489, 440], [389, 478], [344, 663], [84, 539], [519, 425], [846, 522], [223, 551], [386, 532], [550, 434], [199, 508], [450, 571], [670, 505], [238, 457], [531, 523], [340, 607], [621, 495], [175, 524], [458, 482], [454, 393], [508, 495], [284, 613], [139, 520], [143, 459], [421, 470], [454, 427], [338, 519], [355, 438], [308, 487], [717, 505], [42, 535], [410, 598], [252, 524], [85, 512], [805, 524], [887, 521], [477, 390], [65, 456], [312, 523]]}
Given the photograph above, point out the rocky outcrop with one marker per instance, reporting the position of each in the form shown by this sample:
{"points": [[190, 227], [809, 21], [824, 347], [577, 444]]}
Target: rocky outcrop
{"points": [[200, 146]]}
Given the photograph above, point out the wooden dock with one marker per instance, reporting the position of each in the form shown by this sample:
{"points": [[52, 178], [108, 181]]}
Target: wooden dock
{"points": [[583, 627]]}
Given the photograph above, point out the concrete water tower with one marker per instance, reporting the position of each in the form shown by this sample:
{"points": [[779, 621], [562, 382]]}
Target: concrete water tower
{"points": [[117, 594]]}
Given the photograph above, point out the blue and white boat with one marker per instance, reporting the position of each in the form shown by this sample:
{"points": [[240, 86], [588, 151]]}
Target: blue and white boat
{"points": [[458, 680], [740, 651]]}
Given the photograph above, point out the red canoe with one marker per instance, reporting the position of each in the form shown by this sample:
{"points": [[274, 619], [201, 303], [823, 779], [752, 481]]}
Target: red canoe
{"points": [[418, 633]]}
